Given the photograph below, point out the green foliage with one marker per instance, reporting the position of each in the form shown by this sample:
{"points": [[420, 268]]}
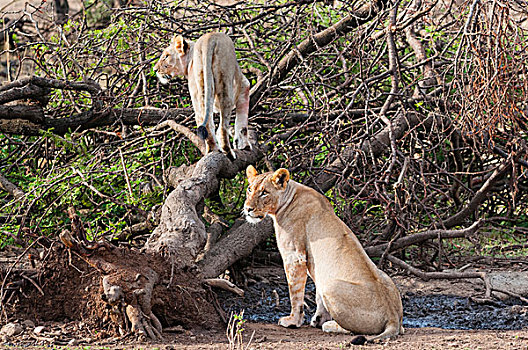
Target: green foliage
{"points": [[89, 176]]}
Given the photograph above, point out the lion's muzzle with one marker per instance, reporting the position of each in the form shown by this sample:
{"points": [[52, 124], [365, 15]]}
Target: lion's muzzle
{"points": [[163, 78], [251, 216]]}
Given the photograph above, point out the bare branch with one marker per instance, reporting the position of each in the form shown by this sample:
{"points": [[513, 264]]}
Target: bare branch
{"points": [[479, 196], [420, 237], [435, 275], [184, 131], [361, 16], [10, 188]]}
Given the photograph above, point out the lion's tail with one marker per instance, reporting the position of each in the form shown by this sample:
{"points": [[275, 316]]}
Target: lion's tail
{"points": [[390, 331], [207, 64]]}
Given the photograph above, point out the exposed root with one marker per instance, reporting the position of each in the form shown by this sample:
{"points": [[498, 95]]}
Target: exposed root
{"points": [[130, 302], [225, 285]]}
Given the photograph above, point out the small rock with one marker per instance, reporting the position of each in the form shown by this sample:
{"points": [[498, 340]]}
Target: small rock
{"points": [[28, 324], [175, 329], [11, 329], [500, 296], [518, 309], [39, 329], [73, 342]]}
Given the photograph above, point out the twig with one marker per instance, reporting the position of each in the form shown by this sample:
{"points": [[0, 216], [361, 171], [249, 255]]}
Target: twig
{"points": [[33, 283], [10, 188], [435, 275], [480, 195], [185, 131], [8, 272], [421, 237], [315, 42], [126, 174], [512, 294], [112, 199]]}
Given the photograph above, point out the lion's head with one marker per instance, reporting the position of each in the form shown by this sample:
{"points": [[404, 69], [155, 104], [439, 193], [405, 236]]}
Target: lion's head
{"points": [[173, 60], [264, 192]]}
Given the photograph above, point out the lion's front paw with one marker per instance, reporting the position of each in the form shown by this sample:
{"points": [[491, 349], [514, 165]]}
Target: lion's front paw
{"points": [[291, 321], [319, 318]]}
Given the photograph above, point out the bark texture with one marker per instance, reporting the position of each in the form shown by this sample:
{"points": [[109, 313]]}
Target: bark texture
{"points": [[181, 231]]}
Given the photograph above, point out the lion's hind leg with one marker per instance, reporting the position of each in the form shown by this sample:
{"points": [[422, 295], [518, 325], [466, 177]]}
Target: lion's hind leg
{"points": [[321, 314], [225, 101], [241, 122], [358, 307]]}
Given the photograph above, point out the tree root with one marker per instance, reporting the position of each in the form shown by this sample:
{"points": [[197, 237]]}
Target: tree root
{"points": [[133, 307], [225, 285], [129, 298]]}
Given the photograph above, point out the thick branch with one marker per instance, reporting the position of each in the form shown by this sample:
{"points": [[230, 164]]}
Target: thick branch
{"points": [[436, 275], [92, 119], [361, 16], [480, 196], [33, 113], [29, 91], [416, 238], [420, 54], [91, 86], [237, 244], [10, 188], [181, 231]]}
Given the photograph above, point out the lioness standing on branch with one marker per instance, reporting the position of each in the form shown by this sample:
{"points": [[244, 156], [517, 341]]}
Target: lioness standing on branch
{"points": [[350, 289], [214, 75]]}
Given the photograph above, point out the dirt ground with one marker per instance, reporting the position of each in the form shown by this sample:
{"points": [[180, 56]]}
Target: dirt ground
{"points": [[268, 336], [273, 337], [265, 334]]}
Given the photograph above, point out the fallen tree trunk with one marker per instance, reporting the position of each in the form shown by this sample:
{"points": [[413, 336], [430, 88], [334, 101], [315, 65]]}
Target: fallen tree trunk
{"points": [[238, 243], [181, 231], [36, 121]]}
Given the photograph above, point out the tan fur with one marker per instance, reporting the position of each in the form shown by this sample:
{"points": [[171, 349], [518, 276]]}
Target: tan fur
{"points": [[215, 82], [350, 289]]}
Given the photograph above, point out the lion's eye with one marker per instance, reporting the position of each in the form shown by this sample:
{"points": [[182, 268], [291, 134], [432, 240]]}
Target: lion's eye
{"points": [[263, 194], [249, 189]]}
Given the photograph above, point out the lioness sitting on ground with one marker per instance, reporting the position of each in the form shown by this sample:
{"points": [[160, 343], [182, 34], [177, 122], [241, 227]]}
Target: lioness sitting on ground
{"points": [[215, 81], [350, 289]]}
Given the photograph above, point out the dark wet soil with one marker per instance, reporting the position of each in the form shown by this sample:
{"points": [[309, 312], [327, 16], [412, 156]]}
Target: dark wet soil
{"points": [[453, 312], [267, 300]]}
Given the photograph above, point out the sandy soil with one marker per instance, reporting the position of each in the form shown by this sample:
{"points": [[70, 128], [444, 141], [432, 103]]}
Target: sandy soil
{"points": [[274, 337]]}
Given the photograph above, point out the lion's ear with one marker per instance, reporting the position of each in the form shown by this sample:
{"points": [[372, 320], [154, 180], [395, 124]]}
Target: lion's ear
{"points": [[280, 178], [180, 45], [251, 172]]}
